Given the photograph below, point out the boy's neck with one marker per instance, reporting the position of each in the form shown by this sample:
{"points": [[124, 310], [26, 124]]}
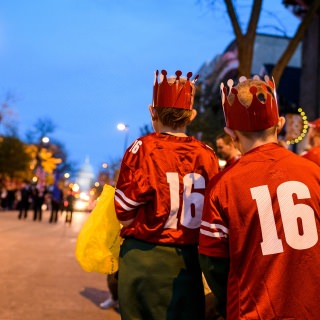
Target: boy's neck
{"points": [[179, 132]]}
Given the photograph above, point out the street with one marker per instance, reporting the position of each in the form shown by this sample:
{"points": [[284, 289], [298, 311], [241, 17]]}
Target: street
{"points": [[39, 275]]}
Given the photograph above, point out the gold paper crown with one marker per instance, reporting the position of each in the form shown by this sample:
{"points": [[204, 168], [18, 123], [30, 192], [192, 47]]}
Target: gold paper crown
{"points": [[178, 94], [259, 115]]}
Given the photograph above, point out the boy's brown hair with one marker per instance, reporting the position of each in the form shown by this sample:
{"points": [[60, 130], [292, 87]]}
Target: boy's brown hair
{"points": [[173, 117]]}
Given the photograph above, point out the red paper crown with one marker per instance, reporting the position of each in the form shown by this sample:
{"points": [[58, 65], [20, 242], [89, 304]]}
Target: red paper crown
{"points": [[259, 115], [176, 95]]}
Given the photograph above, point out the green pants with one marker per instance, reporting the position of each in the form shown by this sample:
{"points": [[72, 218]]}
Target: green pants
{"points": [[159, 282]]}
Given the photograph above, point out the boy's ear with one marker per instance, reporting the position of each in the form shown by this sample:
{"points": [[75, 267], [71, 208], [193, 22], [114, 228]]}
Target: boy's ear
{"points": [[280, 123], [193, 114], [153, 113]]}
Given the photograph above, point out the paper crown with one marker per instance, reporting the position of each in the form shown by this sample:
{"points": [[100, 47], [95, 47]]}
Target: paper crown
{"points": [[178, 94], [259, 115]]}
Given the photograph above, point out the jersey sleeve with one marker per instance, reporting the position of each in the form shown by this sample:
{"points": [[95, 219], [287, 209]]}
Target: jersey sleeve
{"points": [[214, 231], [131, 189]]}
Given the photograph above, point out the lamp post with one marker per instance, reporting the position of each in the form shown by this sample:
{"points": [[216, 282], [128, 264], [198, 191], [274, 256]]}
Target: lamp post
{"points": [[124, 127]]}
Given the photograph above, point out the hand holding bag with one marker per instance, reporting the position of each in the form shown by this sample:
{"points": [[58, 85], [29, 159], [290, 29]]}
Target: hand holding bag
{"points": [[98, 242]]}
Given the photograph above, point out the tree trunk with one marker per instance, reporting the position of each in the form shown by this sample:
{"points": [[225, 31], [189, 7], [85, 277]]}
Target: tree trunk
{"points": [[245, 41]]}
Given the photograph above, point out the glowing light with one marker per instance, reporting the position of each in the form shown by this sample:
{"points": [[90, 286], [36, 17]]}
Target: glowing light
{"points": [[75, 187], [84, 196], [122, 126], [45, 139], [222, 163]]}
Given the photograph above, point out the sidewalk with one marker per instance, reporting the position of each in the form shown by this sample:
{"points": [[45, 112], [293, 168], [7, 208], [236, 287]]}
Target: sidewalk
{"points": [[40, 278]]}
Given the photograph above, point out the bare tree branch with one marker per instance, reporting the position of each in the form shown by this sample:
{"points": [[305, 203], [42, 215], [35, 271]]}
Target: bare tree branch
{"points": [[234, 19], [254, 18], [292, 45]]}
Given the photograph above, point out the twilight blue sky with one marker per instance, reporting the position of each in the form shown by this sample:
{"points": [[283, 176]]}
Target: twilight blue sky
{"points": [[89, 64]]}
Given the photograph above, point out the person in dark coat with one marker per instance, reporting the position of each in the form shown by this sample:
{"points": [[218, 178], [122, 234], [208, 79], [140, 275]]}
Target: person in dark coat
{"points": [[56, 203], [69, 206], [24, 202]]}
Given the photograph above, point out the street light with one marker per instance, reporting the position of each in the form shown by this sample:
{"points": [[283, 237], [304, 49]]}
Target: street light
{"points": [[124, 127], [104, 165], [45, 140]]}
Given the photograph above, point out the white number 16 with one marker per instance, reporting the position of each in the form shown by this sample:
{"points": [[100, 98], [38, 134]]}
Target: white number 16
{"points": [[189, 218], [292, 216]]}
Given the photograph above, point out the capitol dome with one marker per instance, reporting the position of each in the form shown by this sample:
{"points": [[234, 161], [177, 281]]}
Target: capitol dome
{"points": [[85, 176]]}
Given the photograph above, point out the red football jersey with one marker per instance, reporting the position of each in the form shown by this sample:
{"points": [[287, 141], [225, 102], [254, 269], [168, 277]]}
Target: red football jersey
{"points": [[263, 214], [161, 185], [313, 154]]}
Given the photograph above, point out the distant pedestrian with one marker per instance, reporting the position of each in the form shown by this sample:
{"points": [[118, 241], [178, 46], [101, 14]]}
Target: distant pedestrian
{"points": [[37, 202], [3, 197], [227, 150], [25, 200], [56, 203], [69, 206]]}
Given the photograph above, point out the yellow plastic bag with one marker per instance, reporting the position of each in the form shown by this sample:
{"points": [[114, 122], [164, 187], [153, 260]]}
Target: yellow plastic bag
{"points": [[98, 242]]}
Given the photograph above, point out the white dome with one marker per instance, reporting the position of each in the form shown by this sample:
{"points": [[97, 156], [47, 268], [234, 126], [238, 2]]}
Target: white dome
{"points": [[85, 176]]}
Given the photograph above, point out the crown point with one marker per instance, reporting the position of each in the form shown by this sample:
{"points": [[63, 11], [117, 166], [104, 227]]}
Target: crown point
{"points": [[230, 83], [189, 75], [178, 74], [223, 93], [242, 79], [256, 77], [164, 73]]}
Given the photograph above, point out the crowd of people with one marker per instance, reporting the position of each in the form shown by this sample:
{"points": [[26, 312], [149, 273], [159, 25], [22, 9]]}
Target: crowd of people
{"points": [[30, 199], [249, 230]]}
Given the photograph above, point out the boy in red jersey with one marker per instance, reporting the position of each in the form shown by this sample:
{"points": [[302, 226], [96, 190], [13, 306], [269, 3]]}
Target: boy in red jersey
{"points": [[313, 153], [159, 199], [259, 236]]}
